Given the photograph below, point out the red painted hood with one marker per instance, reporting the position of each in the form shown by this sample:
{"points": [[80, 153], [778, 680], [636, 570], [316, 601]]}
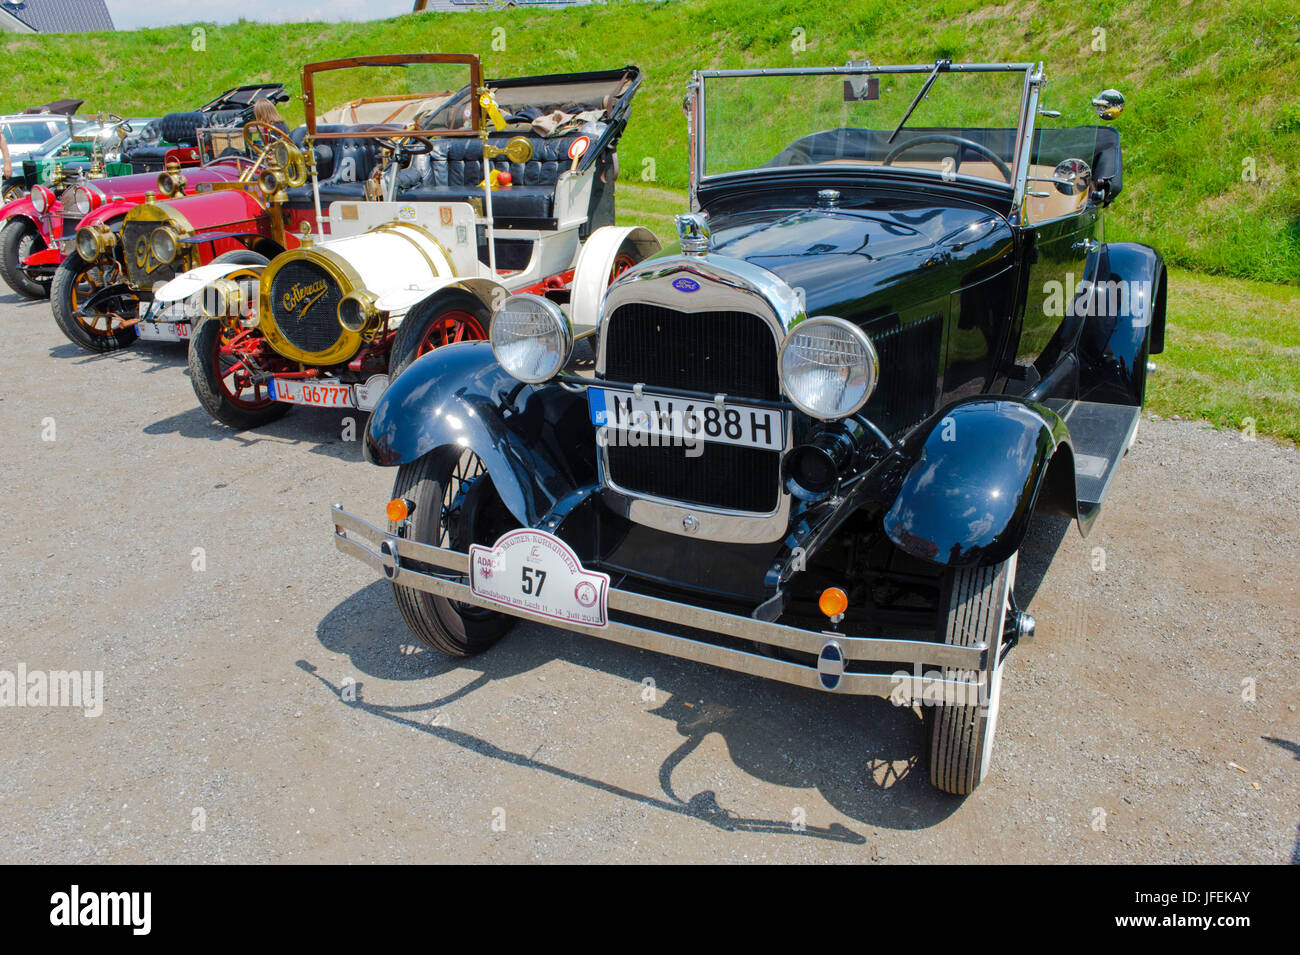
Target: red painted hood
{"points": [[135, 186], [206, 211]]}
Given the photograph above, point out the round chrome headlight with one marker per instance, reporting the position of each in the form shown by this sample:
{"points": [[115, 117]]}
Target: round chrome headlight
{"points": [[87, 199], [163, 244], [42, 199], [829, 367], [532, 338]]}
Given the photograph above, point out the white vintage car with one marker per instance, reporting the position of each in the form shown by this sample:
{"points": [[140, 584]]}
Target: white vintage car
{"points": [[415, 244]]}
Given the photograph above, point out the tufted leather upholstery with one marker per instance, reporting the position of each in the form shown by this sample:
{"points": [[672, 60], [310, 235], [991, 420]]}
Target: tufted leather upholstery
{"points": [[175, 129], [453, 170], [342, 165], [181, 127]]}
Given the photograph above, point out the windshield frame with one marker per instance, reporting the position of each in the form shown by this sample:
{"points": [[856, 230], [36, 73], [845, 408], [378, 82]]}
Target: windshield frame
{"points": [[1024, 123], [470, 60]]}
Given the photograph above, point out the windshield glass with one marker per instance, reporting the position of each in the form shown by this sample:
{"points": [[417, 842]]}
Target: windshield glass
{"points": [[55, 142], [30, 133], [964, 125], [397, 95]]}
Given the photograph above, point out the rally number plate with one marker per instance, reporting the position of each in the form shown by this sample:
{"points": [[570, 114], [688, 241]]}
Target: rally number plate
{"points": [[535, 571]]}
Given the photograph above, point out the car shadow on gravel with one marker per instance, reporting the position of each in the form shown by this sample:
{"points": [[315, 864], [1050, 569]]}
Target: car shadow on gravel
{"points": [[324, 431], [862, 754], [10, 297], [149, 358]]}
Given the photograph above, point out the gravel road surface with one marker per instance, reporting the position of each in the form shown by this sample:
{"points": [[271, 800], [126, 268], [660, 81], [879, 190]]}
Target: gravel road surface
{"points": [[263, 701]]}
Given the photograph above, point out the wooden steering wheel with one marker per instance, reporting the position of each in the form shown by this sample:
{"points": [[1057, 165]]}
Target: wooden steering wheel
{"points": [[271, 138]]}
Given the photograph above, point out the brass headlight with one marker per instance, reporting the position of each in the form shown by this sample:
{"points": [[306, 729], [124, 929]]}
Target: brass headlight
{"points": [[163, 244], [289, 158], [171, 181], [272, 183], [223, 298], [357, 311], [94, 240]]}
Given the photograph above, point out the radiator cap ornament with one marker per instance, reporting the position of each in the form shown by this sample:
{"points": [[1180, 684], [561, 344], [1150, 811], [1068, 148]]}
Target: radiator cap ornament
{"points": [[694, 234]]}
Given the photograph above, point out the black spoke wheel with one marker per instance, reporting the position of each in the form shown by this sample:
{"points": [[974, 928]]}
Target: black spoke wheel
{"points": [[456, 505]]}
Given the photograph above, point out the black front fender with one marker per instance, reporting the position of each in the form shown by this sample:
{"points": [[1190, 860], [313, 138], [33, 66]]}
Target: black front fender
{"points": [[459, 395], [978, 472], [1124, 324]]}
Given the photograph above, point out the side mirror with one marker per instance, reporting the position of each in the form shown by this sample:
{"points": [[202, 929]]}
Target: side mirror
{"points": [[1108, 104], [1072, 177]]}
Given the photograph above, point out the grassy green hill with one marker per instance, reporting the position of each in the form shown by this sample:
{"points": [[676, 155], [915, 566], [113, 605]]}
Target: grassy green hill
{"points": [[1211, 134], [1208, 84]]}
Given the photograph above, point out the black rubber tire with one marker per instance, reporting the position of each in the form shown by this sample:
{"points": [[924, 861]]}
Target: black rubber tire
{"points": [[241, 257], [66, 278], [12, 236], [458, 630], [205, 339], [415, 326], [974, 603]]}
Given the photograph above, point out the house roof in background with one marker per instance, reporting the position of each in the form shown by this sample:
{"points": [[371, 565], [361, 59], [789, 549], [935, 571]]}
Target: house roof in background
{"points": [[450, 6], [60, 16]]}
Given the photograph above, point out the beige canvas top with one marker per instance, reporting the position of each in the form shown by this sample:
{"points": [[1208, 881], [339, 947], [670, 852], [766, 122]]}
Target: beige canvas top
{"points": [[372, 110]]}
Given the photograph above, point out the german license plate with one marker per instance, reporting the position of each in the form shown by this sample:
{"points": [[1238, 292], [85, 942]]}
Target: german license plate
{"points": [[535, 571], [321, 392], [163, 331], [685, 419]]}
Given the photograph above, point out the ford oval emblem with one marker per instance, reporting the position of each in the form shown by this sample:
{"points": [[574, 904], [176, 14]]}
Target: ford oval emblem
{"points": [[686, 285]]}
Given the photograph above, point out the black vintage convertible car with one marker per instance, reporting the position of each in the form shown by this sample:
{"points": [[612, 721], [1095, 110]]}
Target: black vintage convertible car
{"points": [[807, 443]]}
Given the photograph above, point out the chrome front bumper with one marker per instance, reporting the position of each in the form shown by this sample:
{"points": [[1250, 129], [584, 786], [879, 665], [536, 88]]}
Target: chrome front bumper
{"points": [[933, 672]]}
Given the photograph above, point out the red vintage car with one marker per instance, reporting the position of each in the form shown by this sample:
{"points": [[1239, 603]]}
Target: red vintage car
{"points": [[103, 293], [39, 228]]}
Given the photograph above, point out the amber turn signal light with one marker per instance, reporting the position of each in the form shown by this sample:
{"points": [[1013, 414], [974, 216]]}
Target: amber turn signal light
{"points": [[399, 509], [833, 601]]}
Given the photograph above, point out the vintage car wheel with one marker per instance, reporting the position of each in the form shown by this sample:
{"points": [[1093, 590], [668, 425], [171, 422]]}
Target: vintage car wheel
{"points": [[456, 316], [75, 281], [456, 505], [223, 382], [19, 239], [961, 736]]}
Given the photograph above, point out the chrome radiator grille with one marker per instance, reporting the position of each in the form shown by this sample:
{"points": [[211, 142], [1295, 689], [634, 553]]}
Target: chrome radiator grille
{"points": [[731, 353]]}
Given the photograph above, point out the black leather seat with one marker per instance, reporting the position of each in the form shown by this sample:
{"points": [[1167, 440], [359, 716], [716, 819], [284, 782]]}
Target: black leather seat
{"points": [[342, 165], [453, 170], [176, 129]]}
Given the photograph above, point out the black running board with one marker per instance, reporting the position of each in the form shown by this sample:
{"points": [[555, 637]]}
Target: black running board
{"points": [[1101, 434]]}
